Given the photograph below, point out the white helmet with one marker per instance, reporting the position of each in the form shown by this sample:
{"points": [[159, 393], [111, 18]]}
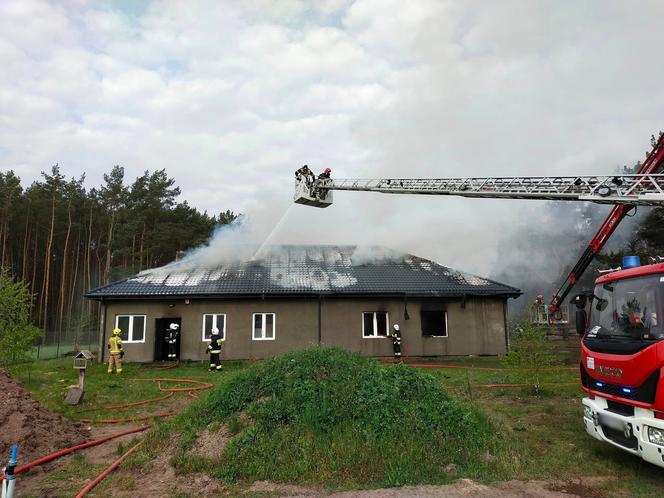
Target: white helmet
{"points": [[215, 331], [174, 326], [396, 326]]}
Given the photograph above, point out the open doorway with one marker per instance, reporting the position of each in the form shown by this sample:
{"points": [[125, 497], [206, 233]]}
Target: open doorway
{"points": [[160, 346]]}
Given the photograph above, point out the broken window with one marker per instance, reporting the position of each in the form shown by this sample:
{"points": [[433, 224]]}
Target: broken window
{"points": [[132, 327], [434, 323], [264, 324], [211, 321], [375, 324]]}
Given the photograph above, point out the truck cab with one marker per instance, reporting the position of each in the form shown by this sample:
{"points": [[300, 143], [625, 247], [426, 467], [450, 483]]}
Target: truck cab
{"points": [[622, 357]]}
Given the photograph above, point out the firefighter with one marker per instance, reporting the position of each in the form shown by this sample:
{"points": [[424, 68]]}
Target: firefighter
{"points": [[172, 336], [396, 342], [115, 352], [306, 173], [214, 348]]}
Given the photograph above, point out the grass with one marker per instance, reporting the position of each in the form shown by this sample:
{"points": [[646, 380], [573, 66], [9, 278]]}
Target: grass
{"points": [[536, 437], [336, 419]]}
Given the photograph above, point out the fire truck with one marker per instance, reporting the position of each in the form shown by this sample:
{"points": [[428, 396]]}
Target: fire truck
{"points": [[621, 320]]}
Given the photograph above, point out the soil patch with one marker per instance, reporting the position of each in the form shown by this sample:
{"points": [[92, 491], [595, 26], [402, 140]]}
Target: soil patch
{"points": [[211, 444], [466, 488], [25, 422]]}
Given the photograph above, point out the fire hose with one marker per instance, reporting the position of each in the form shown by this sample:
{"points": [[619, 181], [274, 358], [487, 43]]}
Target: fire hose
{"points": [[77, 447], [110, 469]]}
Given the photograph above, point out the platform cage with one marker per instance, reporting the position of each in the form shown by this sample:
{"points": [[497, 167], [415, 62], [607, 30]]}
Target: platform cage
{"points": [[540, 314]]}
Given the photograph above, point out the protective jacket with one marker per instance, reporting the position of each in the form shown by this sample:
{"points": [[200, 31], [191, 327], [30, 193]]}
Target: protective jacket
{"points": [[115, 345], [215, 345]]}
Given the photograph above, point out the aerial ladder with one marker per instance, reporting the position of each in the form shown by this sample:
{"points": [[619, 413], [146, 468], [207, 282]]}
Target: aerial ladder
{"points": [[625, 192]]}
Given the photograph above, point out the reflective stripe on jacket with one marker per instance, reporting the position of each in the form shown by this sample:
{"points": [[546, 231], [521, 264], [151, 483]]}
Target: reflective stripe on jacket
{"points": [[214, 347]]}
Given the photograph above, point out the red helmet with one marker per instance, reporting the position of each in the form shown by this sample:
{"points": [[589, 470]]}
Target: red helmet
{"points": [[328, 170]]}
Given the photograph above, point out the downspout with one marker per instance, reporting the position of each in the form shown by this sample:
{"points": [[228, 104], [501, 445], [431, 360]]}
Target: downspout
{"points": [[507, 335], [102, 325], [320, 301]]}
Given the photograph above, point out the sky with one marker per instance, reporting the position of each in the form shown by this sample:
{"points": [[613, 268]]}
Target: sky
{"points": [[231, 97]]}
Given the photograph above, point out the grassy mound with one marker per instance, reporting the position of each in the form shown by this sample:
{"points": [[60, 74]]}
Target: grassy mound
{"points": [[330, 417]]}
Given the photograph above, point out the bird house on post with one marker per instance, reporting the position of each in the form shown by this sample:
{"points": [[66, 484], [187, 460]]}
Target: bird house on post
{"points": [[75, 393]]}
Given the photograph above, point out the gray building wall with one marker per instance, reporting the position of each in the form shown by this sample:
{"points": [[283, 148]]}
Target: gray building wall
{"points": [[476, 326]]}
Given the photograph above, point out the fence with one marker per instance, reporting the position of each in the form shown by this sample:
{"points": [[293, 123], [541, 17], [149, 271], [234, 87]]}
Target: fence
{"points": [[59, 343]]}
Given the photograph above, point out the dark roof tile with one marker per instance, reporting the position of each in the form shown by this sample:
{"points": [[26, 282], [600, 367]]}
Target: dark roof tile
{"points": [[301, 270]]}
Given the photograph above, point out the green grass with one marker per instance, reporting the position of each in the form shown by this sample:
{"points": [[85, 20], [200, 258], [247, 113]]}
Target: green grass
{"points": [[536, 437], [337, 419]]}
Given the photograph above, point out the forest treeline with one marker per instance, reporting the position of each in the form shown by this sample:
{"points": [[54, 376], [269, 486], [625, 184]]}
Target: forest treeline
{"points": [[63, 239]]}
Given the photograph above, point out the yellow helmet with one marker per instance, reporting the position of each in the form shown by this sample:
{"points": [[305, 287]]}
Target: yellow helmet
{"points": [[117, 331]]}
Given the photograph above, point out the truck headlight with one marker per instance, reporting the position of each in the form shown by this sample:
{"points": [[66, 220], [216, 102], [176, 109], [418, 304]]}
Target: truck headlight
{"points": [[656, 436], [587, 412]]}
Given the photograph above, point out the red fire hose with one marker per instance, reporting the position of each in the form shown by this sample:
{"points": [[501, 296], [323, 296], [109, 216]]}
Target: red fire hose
{"points": [[110, 469], [82, 446]]}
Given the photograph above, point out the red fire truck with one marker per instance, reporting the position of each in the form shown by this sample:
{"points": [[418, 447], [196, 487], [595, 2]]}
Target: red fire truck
{"points": [[622, 359]]}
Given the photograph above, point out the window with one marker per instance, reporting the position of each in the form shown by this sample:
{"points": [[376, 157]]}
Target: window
{"points": [[434, 323], [132, 326], [263, 326], [375, 324], [214, 320]]}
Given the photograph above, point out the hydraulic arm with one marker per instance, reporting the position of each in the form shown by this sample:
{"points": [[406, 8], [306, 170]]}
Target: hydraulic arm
{"points": [[653, 163]]}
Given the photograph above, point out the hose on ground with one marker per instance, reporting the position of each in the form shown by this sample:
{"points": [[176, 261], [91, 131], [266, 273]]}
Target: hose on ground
{"points": [[110, 469], [77, 447]]}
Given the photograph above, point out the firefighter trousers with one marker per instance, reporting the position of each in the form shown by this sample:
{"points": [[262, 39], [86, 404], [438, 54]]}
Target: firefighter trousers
{"points": [[172, 355], [215, 361], [114, 359]]}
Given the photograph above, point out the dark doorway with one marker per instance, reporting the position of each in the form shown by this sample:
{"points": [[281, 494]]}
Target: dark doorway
{"points": [[160, 346]]}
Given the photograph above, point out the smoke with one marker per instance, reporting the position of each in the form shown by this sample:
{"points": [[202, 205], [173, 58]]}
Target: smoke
{"points": [[542, 245], [364, 255]]}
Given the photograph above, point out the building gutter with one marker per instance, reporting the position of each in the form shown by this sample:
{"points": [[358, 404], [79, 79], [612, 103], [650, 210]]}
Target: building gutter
{"points": [[507, 334], [102, 327], [320, 320]]}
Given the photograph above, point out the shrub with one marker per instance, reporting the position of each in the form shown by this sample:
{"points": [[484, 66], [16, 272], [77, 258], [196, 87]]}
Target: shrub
{"points": [[531, 352], [17, 334]]}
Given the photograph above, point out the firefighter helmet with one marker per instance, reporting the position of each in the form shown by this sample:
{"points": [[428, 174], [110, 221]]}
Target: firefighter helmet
{"points": [[327, 170], [174, 326], [215, 331], [117, 331]]}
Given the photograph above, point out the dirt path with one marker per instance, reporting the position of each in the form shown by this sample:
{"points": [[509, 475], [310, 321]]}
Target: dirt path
{"points": [[466, 488]]}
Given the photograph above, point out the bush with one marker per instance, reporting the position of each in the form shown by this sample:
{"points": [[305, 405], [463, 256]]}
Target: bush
{"points": [[531, 352], [327, 416], [17, 334]]}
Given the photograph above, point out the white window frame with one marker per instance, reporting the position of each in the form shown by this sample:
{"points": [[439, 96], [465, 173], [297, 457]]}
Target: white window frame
{"points": [[375, 334], [446, 326], [264, 321], [130, 332], [214, 324]]}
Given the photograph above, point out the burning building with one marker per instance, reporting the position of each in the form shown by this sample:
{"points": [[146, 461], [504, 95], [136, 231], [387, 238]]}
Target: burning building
{"points": [[294, 297]]}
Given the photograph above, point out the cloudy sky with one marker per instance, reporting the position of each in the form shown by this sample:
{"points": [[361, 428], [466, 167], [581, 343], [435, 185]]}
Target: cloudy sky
{"points": [[230, 97]]}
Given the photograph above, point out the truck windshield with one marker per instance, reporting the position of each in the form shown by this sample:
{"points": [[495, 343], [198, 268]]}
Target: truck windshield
{"points": [[626, 315]]}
